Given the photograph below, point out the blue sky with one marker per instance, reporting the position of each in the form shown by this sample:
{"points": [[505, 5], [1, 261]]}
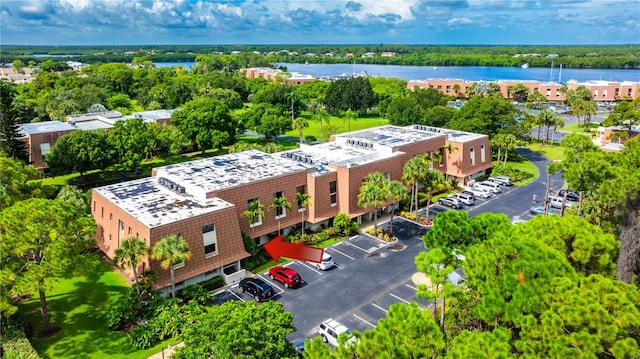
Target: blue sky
{"points": [[154, 22]]}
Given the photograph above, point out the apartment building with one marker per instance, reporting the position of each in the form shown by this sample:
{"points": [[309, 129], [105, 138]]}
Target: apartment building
{"points": [[291, 78], [601, 91], [40, 137], [203, 201]]}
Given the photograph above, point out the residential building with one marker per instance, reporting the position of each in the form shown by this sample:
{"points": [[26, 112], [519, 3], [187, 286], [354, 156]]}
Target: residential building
{"points": [[291, 78], [40, 138], [203, 201]]}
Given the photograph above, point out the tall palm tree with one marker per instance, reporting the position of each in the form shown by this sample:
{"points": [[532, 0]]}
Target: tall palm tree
{"points": [[498, 142], [294, 97], [170, 251], [130, 254], [349, 115], [304, 201], [299, 124], [397, 191], [545, 118], [431, 181], [280, 203], [456, 89], [321, 116], [412, 173], [510, 143], [373, 193], [254, 213]]}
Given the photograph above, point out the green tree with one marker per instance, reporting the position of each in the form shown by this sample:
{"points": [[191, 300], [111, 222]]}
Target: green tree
{"points": [[131, 140], [18, 66], [130, 254], [168, 140], [349, 115], [254, 213], [10, 142], [354, 94], [74, 196], [625, 114], [238, 329], [80, 151], [585, 166], [403, 111], [536, 99], [299, 124], [170, 251], [481, 345], [431, 181], [519, 91], [304, 201], [411, 174], [374, 193], [120, 101], [397, 192], [321, 116], [280, 205], [14, 181], [486, 115], [40, 235], [206, 122]]}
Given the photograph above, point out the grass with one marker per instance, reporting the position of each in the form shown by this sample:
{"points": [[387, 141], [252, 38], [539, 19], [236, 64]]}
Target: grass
{"points": [[524, 166], [358, 124], [79, 305], [553, 152], [573, 128]]}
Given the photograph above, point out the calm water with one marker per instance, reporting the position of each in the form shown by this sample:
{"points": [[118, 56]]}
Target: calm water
{"points": [[472, 73]]}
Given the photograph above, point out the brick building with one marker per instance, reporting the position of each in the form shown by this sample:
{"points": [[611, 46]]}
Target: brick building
{"points": [[40, 138], [601, 91], [203, 200], [291, 78]]}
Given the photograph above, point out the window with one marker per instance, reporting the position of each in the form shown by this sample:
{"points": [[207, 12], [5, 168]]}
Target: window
{"points": [[448, 88], [301, 190], [101, 212], [472, 155], [482, 154], [557, 92], [110, 217], [210, 240], [129, 232], [604, 93], [45, 149], [333, 193], [629, 92], [443, 153], [257, 219], [388, 175], [548, 92], [595, 93], [94, 206], [535, 89], [280, 211], [109, 237], [439, 87], [120, 231], [617, 91]]}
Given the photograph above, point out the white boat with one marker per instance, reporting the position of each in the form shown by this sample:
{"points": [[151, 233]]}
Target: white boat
{"points": [[525, 66]]}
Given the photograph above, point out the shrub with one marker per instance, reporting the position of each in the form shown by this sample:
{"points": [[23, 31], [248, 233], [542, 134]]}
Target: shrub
{"points": [[194, 292], [124, 310], [14, 339], [213, 283], [143, 336]]}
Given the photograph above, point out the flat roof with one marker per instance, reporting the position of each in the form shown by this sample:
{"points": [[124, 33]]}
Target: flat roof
{"points": [[89, 125], [94, 115], [389, 136], [231, 170], [155, 205], [45, 127]]}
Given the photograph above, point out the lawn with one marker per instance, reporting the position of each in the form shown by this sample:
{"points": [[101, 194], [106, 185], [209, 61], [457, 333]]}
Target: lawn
{"points": [[79, 305], [573, 128], [358, 124], [524, 166], [553, 152]]}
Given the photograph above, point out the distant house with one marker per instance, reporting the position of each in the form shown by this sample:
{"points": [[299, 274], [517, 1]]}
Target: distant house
{"points": [[388, 54], [368, 54], [349, 54], [552, 56]]}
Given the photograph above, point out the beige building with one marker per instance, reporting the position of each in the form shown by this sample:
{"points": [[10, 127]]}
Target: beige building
{"points": [[203, 200], [291, 78]]}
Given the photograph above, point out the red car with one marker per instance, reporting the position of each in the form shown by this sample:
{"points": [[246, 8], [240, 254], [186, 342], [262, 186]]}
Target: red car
{"points": [[286, 276]]}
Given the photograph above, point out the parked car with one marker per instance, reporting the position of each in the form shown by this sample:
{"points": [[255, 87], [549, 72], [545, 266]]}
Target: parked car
{"points": [[330, 329], [489, 188], [571, 195], [482, 192], [325, 264], [558, 202], [501, 180], [298, 346], [256, 287], [287, 276], [452, 202], [493, 185], [535, 210], [466, 198], [473, 195]]}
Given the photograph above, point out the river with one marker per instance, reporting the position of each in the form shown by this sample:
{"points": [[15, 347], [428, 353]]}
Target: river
{"points": [[471, 73]]}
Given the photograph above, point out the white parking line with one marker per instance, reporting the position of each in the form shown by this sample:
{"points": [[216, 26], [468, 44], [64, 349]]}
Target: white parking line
{"points": [[308, 266], [354, 246], [346, 255], [398, 298], [372, 326], [273, 285], [235, 295], [412, 287], [379, 307]]}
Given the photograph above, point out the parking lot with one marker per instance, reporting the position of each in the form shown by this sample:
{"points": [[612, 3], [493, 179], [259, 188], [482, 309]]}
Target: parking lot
{"points": [[369, 276]]}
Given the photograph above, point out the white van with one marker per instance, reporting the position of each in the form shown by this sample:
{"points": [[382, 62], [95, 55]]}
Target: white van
{"points": [[495, 186], [482, 186], [556, 202]]}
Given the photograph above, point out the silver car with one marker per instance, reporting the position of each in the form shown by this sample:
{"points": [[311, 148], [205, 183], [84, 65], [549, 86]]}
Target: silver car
{"points": [[465, 198], [452, 202]]}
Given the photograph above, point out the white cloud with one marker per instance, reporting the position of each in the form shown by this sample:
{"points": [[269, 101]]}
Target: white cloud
{"points": [[456, 21]]}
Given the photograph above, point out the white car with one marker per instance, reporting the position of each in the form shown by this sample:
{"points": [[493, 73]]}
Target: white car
{"points": [[501, 180], [556, 202], [482, 192], [493, 185], [331, 329], [467, 199], [325, 264]]}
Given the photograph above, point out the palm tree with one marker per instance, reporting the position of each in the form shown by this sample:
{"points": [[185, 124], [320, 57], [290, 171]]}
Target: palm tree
{"points": [[280, 204], [320, 116], [412, 173], [294, 96], [510, 143], [498, 142], [130, 254], [563, 89], [349, 115], [170, 251], [374, 193], [456, 89], [431, 181], [545, 118], [398, 192], [299, 124], [254, 213], [304, 201]]}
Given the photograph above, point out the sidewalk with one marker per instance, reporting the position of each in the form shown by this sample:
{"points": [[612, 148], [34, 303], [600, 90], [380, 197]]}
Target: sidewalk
{"points": [[166, 353]]}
